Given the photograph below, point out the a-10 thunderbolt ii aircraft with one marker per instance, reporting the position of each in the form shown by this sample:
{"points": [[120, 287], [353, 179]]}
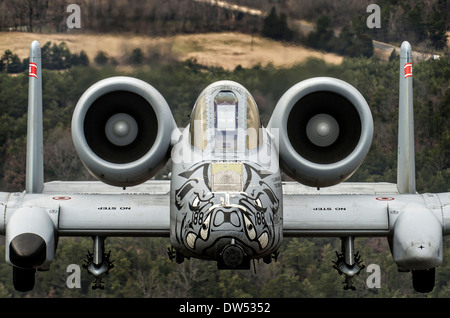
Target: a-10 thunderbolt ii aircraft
{"points": [[225, 200]]}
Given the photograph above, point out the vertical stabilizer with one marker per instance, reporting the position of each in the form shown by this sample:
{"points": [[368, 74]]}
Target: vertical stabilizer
{"points": [[35, 143], [406, 174]]}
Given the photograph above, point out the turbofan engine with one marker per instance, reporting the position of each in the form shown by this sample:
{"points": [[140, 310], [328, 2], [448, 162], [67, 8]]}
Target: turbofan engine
{"points": [[325, 131], [121, 129]]}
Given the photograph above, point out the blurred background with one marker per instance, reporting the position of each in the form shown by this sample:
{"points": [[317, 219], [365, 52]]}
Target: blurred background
{"points": [[181, 46]]}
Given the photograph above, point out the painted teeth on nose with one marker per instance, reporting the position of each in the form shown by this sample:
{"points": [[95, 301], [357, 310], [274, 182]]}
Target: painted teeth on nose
{"points": [[263, 240], [190, 240]]}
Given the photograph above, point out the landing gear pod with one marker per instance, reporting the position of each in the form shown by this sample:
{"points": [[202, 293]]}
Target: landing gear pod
{"points": [[29, 245], [121, 129], [417, 246]]}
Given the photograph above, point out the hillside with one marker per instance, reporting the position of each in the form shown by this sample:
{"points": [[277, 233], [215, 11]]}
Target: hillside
{"points": [[227, 50], [304, 267]]}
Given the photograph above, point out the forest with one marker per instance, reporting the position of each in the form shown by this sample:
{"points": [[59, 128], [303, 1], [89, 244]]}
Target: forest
{"points": [[424, 23], [304, 266]]}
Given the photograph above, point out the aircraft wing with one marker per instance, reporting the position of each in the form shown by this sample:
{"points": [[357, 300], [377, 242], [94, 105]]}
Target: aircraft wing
{"points": [[347, 209], [357, 209], [151, 187], [353, 209], [91, 207]]}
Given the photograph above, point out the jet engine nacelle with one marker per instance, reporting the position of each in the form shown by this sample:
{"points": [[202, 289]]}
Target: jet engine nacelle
{"points": [[121, 129], [325, 130]]}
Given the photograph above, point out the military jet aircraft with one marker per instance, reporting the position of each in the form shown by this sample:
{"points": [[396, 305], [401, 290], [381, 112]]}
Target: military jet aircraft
{"points": [[226, 200]]}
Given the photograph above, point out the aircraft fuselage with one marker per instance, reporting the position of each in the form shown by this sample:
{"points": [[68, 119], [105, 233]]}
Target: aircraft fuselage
{"points": [[225, 185]]}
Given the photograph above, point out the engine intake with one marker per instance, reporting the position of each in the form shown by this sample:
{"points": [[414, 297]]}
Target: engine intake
{"points": [[118, 134], [325, 131], [121, 129]]}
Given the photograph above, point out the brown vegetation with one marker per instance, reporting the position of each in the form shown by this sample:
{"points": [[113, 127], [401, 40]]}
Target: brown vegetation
{"points": [[227, 50]]}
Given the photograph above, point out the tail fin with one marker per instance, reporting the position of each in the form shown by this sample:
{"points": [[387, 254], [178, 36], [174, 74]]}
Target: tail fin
{"points": [[35, 143], [406, 174]]}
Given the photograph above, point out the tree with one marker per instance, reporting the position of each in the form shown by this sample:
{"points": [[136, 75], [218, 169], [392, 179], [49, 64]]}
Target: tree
{"points": [[56, 56], [101, 58], [415, 22], [31, 11], [61, 159], [80, 59], [323, 37], [275, 26], [136, 57], [11, 63], [437, 30]]}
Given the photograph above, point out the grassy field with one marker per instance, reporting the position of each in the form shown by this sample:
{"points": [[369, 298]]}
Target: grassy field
{"points": [[212, 49]]}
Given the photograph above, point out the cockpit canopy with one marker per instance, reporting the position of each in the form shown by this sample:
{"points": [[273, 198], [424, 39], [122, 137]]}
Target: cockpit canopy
{"points": [[225, 118]]}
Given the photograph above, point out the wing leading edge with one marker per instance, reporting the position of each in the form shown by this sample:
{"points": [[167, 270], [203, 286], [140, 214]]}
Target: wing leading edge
{"points": [[93, 208]]}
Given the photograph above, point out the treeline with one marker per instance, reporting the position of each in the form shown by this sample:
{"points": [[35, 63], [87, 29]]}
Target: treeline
{"points": [[340, 26], [304, 267], [59, 57], [155, 17], [423, 23], [303, 270], [54, 57], [354, 40], [180, 83], [426, 31]]}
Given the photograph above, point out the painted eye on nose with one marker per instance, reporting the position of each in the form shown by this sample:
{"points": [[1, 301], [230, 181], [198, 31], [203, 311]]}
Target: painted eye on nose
{"points": [[250, 228], [204, 231], [196, 202]]}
